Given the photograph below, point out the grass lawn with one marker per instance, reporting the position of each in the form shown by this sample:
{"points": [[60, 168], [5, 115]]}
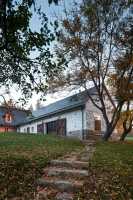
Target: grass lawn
{"points": [[129, 138], [111, 173], [22, 159]]}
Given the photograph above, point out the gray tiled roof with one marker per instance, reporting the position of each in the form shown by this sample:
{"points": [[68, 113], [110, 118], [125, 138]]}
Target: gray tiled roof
{"points": [[63, 105], [18, 116]]}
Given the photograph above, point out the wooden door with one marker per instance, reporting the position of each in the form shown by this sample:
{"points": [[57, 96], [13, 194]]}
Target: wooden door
{"points": [[61, 127], [97, 125], [51, 127], [40, 128], [57, 127]]}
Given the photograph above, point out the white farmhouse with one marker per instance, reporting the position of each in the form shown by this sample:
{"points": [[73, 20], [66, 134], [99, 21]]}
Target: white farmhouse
{"points": [[74, 116]]}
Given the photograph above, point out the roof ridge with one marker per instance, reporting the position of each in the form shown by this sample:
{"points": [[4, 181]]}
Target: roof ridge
{"points": [[61, 100]]}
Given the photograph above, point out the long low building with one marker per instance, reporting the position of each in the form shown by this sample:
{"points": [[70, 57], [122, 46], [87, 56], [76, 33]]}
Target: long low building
{"points": [[74, 116]]}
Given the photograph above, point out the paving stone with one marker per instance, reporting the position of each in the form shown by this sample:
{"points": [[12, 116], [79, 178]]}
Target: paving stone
{"points": [[41, 196], [64, 196], [66, 172], [61, 185], [70, 164], [46, 193]]}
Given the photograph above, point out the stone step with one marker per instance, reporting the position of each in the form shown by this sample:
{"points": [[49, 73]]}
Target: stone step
{"points": [[70, 164], [60, 185], [45, 193], [89, 143], [64, 196], [66, 172], [93, 138]]}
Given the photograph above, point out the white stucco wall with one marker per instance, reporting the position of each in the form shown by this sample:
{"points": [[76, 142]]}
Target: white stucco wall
{"points": [[91, 113], [74, 123], [23, 128]]}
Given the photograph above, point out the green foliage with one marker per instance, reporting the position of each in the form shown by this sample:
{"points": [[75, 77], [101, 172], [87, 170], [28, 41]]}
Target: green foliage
{"points": [[22, 159]]}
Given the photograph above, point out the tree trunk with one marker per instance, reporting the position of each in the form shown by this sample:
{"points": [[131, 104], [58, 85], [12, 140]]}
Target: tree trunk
{"points": [[124, 134], [110, 125], [126, 129], [108, 132]]}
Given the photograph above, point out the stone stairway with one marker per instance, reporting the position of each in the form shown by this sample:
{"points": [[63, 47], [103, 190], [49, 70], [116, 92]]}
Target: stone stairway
{"points": [[95, 136], [64, 177]]}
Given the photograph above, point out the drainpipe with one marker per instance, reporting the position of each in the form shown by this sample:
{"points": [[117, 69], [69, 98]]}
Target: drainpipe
{"points": [[82, 110]]}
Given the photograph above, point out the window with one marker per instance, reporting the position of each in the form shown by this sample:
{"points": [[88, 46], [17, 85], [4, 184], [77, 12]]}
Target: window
{"points": [[8, 118], [32, 129], [28, 129]]}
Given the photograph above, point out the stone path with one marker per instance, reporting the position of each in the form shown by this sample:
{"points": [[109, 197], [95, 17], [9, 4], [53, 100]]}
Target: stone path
{"points": [[63, 177]]}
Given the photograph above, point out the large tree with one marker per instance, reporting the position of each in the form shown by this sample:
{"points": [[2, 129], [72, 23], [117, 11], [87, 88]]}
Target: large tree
{"points": [[121, 79], [25, 56], [92, 40]]}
